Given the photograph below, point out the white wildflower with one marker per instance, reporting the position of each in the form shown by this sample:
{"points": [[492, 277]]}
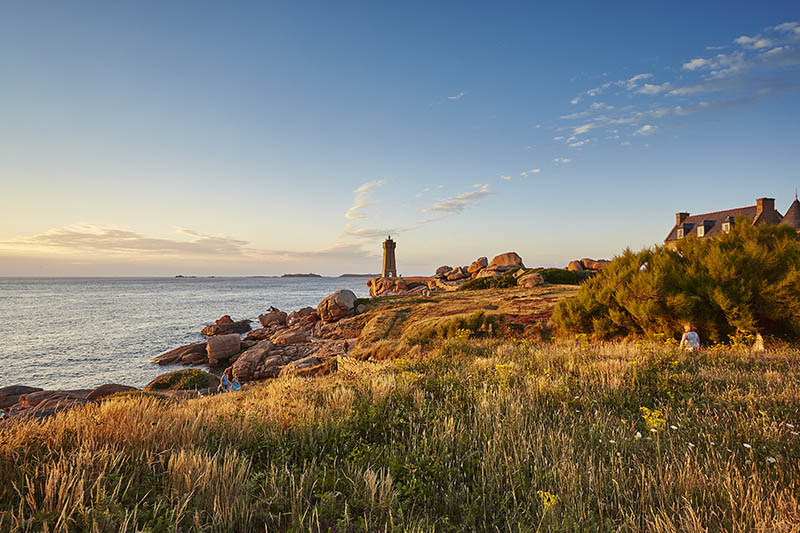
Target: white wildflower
{"points": [[691, 445], [638, 435], [674, 428], [746, 445], [612, 441], [771, 460]]}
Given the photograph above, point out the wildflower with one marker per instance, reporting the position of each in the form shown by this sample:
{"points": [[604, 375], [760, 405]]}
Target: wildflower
{"points": [[713, 443], [771, 460], [653, 419], [612, 441], [691, 445], [619, 454], [790, 426], [638, 435], [674, 428], [548, 499], [748, 462], [746, 445]]}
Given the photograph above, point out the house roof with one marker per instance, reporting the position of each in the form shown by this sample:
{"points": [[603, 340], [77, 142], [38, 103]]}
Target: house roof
{"points": [[792, 216], [713, 221]]}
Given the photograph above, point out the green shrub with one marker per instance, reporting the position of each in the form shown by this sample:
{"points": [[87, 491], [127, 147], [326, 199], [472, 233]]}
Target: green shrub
{"points": [[745, 281], [498, 282], [183, 380], [561, 276], [459, 327]]}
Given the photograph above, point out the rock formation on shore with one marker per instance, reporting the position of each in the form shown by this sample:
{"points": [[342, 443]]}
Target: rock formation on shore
{"points": [[579, 265], [447, 278]]}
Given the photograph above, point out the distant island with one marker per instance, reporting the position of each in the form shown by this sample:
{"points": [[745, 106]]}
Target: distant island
{"points": [[182, 276], [359, 276], [309, 275]]}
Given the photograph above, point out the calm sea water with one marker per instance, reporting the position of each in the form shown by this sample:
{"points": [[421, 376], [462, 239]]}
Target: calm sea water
{"points": [[80, 333]]}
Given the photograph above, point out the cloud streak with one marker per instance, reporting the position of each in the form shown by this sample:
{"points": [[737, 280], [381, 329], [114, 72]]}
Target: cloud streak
{"points": [[362, 200], [751, 68], [458, 203]]}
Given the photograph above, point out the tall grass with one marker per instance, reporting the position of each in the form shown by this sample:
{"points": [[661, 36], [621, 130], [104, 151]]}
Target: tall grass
{"points": [[461, 438]]}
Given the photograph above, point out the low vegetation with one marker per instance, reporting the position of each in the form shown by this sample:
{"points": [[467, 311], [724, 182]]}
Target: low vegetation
{"points": [[190, 379], [491, 282], [479, 434], [561, 276], [732, 287]]}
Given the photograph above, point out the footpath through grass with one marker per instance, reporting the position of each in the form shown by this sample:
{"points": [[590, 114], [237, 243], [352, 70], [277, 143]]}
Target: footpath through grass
{"points": [[475, 436]]}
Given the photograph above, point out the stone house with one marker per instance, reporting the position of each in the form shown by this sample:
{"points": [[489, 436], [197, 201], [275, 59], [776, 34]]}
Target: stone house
{"points": [[708, 225]]}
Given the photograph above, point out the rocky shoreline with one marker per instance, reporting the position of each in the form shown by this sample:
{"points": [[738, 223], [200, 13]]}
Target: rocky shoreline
{"points": [[305, 342], [447, 278]]}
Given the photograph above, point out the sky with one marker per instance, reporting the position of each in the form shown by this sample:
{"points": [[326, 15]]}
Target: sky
{"points": [[258, 138]]}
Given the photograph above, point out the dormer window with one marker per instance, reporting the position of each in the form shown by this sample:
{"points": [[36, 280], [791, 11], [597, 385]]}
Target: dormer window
{"points": [[701, 231], [680, 233], [726, 227]]}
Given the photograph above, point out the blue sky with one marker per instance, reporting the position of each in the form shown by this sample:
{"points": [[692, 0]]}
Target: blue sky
{"points": [[246, 138]]}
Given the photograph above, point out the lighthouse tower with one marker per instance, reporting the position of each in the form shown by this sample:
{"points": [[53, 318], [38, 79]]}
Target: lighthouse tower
{"points": [[389, 264]]}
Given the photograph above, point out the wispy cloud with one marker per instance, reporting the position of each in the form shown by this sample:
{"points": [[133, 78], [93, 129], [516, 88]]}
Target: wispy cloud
{"points": [[367, 234], [456, 96], [457, 203], [362, 199], [535, 170], [647, 129], [91, 241], [505, 178], [562, 160], [751, 68]]}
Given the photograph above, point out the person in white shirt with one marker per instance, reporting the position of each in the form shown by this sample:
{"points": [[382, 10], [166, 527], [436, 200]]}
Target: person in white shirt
{"points": [[690, 340]]}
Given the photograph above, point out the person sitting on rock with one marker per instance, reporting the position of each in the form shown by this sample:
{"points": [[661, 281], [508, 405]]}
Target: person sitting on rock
{"points": [[235, 386], [2, 413], [690, 340], [346, 347]]}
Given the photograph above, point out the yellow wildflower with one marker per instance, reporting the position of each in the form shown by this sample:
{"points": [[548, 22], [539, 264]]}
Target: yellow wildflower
{"points": [[548, 499]]}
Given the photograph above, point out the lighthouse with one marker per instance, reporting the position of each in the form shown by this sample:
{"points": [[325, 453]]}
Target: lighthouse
{"points": [[389, 264]]}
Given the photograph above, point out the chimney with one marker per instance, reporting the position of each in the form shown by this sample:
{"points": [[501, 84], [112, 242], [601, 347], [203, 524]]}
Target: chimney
{"points": [[765, 205], [680, 217]]}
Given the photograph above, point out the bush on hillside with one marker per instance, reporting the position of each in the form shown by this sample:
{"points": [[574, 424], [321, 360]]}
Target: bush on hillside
{"points": [[184, 380], [464, 325], [746, 281], [496, 282], [562, 276]]}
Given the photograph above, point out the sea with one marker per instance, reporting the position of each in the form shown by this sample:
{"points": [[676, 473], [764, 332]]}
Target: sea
{"points": [[79, 333]]}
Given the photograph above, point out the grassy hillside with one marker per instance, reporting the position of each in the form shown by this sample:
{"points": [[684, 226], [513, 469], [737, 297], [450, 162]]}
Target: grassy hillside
{"points": [[479, 434]]}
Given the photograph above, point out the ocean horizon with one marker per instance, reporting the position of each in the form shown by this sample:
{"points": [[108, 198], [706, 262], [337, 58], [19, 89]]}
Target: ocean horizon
{"points": [[82, 332]]}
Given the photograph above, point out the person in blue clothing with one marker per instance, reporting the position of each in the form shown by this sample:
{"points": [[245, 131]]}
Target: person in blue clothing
{"points": [[224, 384], [236, 386]]}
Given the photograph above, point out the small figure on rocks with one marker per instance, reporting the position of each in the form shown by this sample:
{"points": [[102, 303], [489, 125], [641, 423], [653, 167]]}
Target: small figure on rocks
{"points": [[2, 413], [690, 340], [224, 384], [236, 386], [346, 347]]}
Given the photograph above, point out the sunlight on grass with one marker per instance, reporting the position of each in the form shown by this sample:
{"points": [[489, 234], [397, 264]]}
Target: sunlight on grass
{"points": [[475, 435]]}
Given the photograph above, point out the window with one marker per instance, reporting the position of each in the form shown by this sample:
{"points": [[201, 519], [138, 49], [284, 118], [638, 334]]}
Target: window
{"points": [[726, 227], [680, 233], [701, 231]]}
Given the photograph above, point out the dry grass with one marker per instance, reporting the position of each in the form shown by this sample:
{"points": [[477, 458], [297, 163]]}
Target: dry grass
{"points": [[461, 438]]}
